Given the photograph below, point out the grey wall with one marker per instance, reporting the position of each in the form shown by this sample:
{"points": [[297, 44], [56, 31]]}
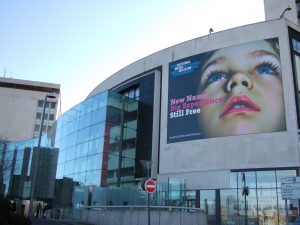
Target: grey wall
{"points": [[275, 8], [140, 217]]}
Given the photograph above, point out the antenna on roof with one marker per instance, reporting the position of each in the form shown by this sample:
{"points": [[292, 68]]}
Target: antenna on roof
{"points": [[4, 72]]}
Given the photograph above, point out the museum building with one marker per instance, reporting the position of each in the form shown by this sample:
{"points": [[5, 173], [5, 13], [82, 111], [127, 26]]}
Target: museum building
{"points": [[215, 117]]}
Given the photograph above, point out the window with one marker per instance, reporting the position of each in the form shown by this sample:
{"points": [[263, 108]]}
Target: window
{"points": [[40, 103], [38, 115], [44, 128], [133, 92], [53, 105], [51, 116], [46, 116], [36, 127]]}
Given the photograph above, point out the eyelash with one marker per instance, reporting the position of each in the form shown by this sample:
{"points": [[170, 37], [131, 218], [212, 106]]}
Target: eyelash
{"points": [[214, 73], [269, 65]]}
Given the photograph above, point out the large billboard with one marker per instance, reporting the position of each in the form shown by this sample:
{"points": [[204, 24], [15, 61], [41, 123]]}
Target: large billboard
{"points": [[229, 91]]}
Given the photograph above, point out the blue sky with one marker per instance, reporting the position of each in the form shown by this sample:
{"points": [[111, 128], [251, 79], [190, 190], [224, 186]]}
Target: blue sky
{"points": [[79, 43]]}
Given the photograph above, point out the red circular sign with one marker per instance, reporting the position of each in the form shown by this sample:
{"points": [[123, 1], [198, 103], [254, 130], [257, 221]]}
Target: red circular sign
{"points": [[150, 186]]}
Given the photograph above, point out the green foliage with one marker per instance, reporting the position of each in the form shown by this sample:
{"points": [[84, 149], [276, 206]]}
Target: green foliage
{"points": [[7, 217]]}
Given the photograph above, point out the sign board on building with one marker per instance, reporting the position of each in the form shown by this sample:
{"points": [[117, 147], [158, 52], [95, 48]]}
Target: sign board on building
{"points": [[290, 188]]}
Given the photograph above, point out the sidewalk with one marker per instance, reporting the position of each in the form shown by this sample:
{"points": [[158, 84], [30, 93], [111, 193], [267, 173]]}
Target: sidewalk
{"points": [[55, 222]]}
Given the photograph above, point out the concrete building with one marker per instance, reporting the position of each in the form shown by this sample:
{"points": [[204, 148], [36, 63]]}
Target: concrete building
{"points": [[217, 117], [21, 108]]}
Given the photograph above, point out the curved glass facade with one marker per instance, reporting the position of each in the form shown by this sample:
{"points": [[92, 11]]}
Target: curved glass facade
{"points": [[96, 141]]}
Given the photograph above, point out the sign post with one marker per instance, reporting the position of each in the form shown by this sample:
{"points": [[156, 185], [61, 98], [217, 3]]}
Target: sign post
{"points": [[150, 187]]}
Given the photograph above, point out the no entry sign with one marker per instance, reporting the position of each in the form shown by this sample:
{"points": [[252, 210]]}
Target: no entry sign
{"points": [[150, 186]]}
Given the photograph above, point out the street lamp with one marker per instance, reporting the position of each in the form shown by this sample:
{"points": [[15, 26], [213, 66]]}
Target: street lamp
{"points": [[287, 9], [34, 167]]}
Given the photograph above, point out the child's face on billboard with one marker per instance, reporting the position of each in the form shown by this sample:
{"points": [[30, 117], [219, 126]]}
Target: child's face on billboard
{"points": [[248, 78]]}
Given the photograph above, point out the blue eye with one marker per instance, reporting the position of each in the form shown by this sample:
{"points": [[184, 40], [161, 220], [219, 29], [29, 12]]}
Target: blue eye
{"points": [[267, 68], [215, 76]]}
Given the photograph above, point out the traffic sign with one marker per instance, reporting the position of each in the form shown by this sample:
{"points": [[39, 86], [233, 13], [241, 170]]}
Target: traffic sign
{"points": [[150, 186], [290, 188]]}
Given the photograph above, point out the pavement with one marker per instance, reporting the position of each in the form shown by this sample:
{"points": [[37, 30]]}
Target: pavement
{"points": [[55, 222]]}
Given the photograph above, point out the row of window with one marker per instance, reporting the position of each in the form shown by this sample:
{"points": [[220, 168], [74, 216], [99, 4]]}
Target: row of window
{"points": [[37, 128], [47, 116], [51, 104]]}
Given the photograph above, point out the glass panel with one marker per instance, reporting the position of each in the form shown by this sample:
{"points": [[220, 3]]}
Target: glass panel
{"points": [[70, 153], [266, 179], [19, 162], [85, 121], [292, 206], [250, 179], [94, 162], [83, 135], [74, 112], [100, 100], [80, 165], [63, 143], [129, 133], [113, 161], [86, 106], [128, 158], [82, 149], [93, 178], [114, 115], [72, 139], [234, 180], [115, 134], [80, 178], [60, 171], [97, 131], [297, 69], [95, 146], [207, 204], [61, 156], [131, 124], [98, 115], [267, 206], [69, 167], [230, 212], [73, 125], [64, 130]]}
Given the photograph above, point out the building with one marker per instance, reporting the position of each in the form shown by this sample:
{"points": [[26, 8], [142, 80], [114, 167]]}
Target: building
{"points": [[22, 104], [217, 116]]}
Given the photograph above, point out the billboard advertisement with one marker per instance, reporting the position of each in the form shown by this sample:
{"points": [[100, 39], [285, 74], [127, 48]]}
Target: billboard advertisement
{"points": [[225, 92]]}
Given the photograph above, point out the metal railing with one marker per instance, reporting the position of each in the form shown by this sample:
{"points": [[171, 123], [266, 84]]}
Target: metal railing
{"points": [[169, 208]]}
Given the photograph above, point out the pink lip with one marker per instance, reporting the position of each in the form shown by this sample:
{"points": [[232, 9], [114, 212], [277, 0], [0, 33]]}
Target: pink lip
{"points": [[239, 104]]}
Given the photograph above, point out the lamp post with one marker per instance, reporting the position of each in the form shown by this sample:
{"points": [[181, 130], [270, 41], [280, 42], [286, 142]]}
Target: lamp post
{"points": [[287, 9], [35, 163]]}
